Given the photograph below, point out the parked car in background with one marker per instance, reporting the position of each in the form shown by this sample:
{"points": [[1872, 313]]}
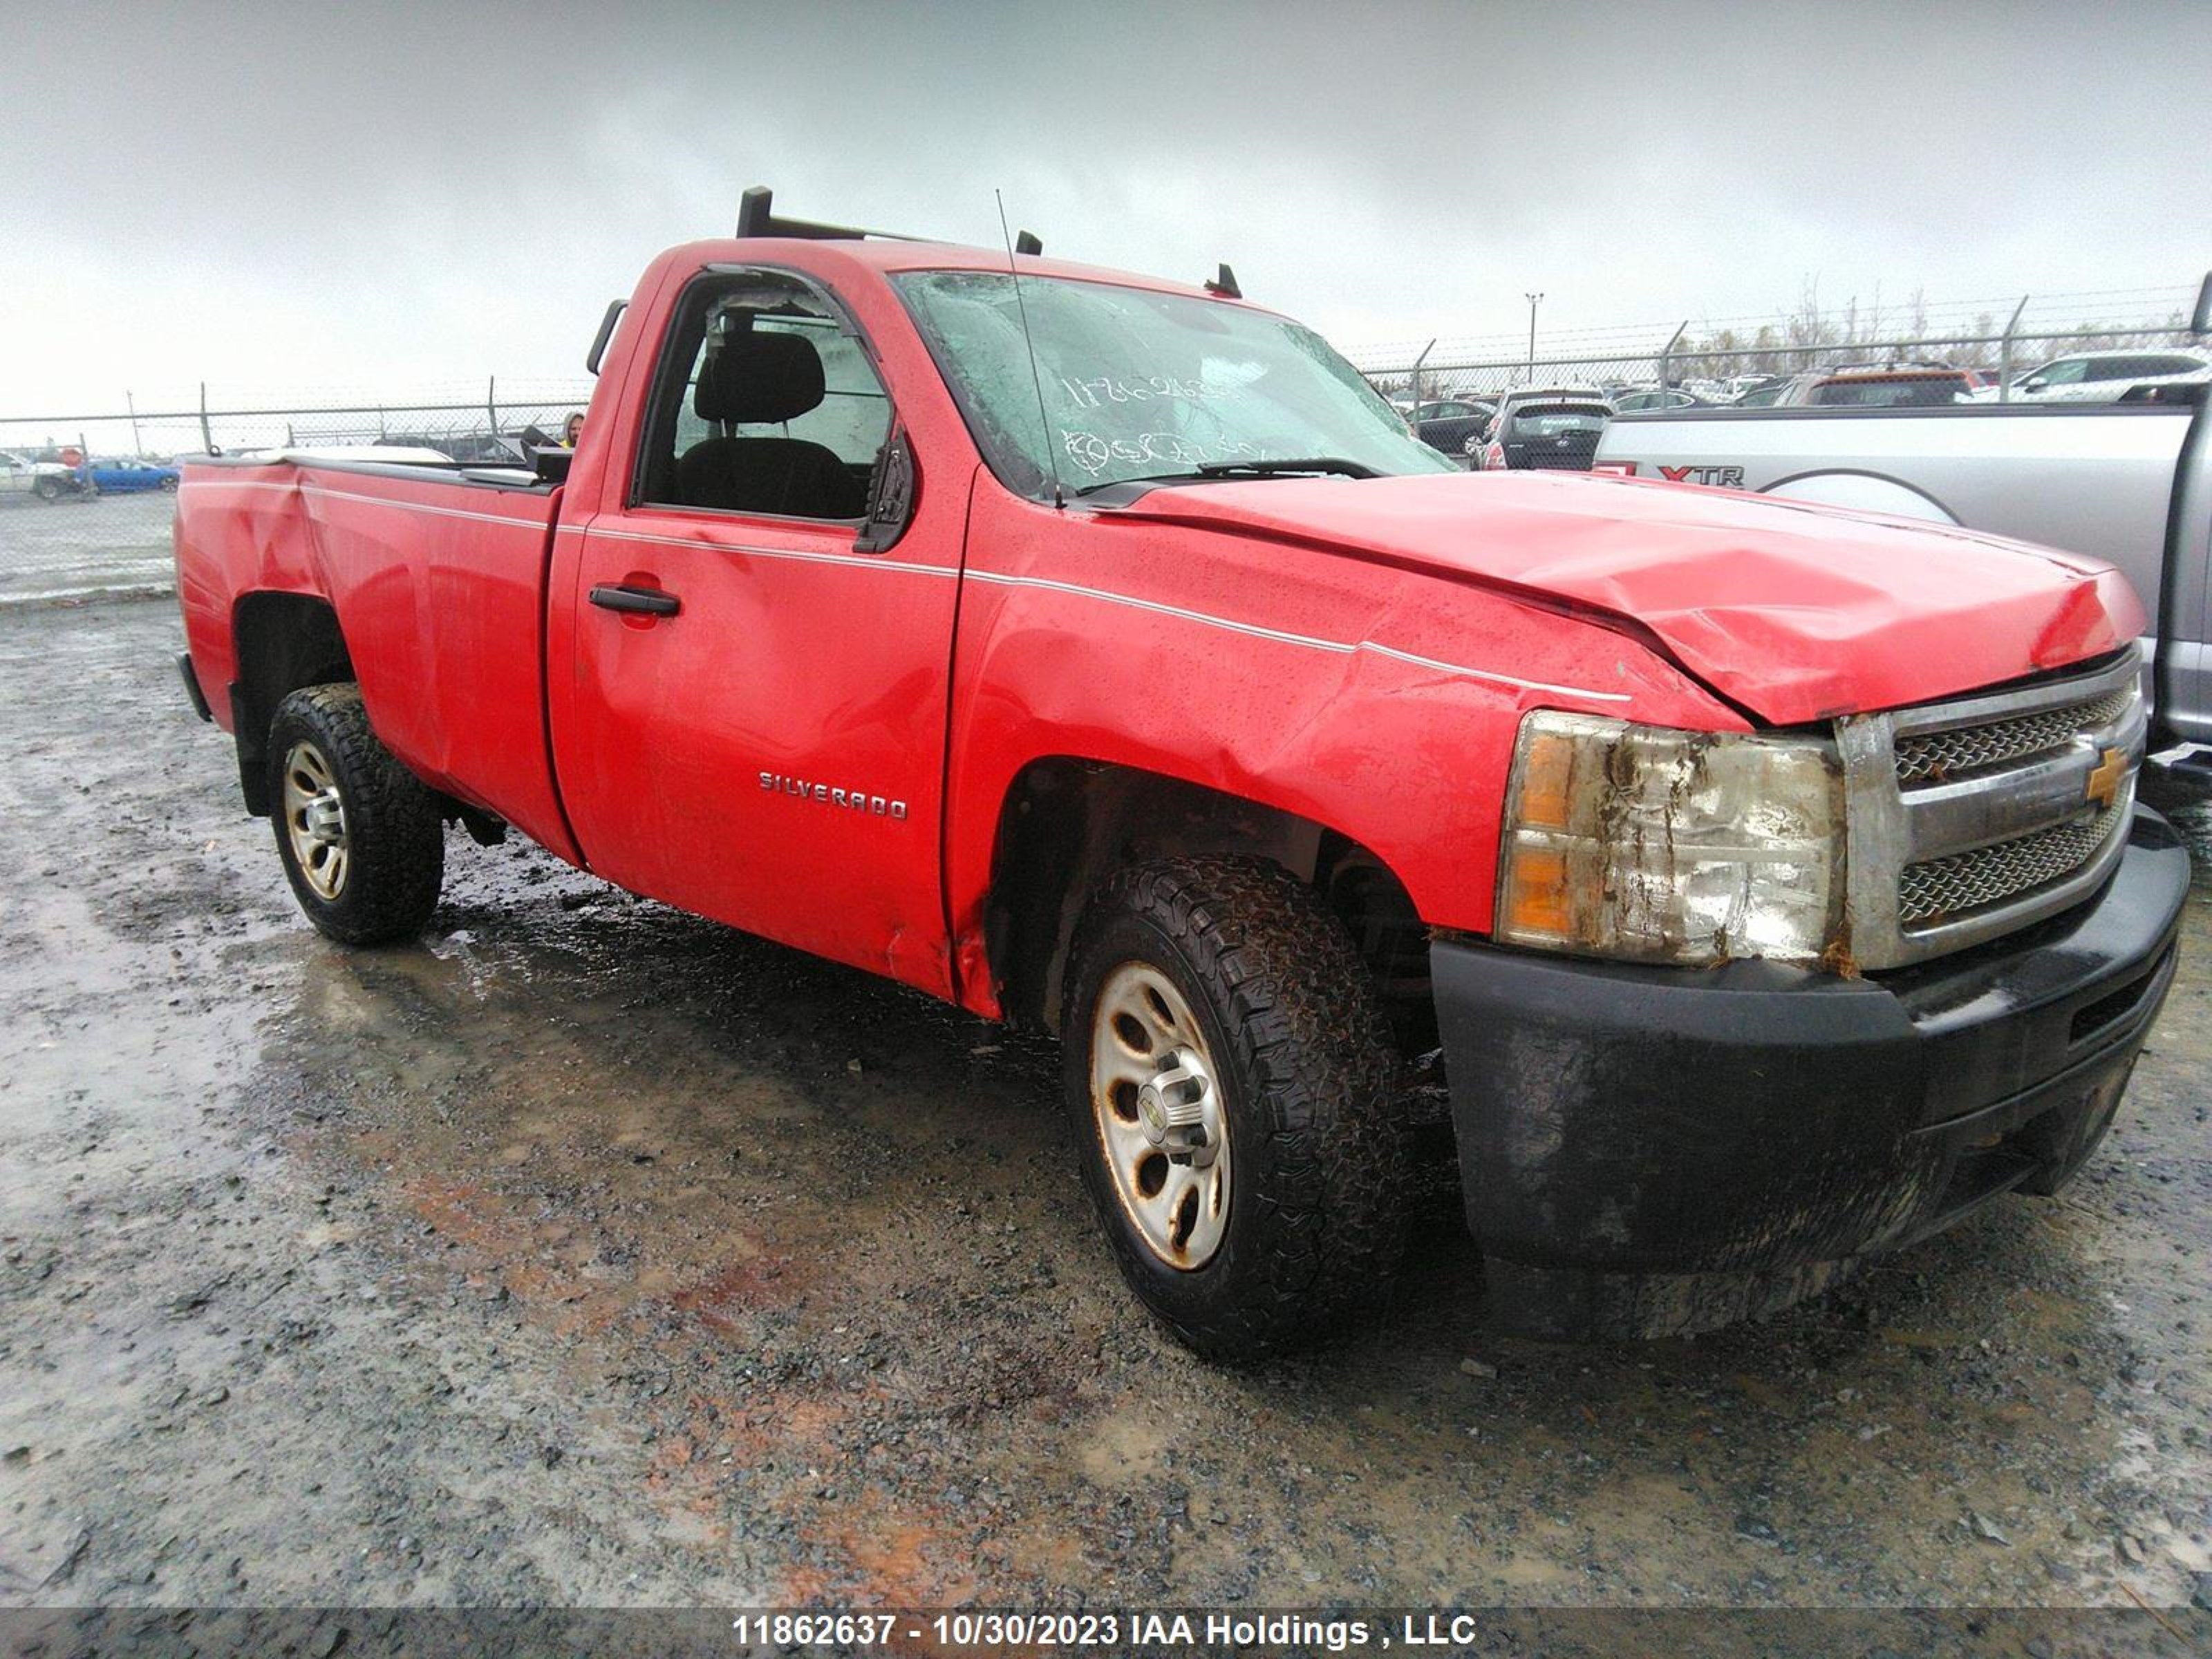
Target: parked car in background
{"points": [[1652, 397], [2101, 376], [1552, 428], [1876, 386], [127, 475], [48, 481], [1446, 423], [1759, 391]]}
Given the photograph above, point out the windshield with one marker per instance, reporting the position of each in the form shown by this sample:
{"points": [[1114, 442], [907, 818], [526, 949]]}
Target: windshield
{"points": [[1141, 384]]}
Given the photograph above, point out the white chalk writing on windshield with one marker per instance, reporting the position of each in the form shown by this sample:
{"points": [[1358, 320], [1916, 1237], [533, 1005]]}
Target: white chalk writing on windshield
{"points": [[1094, 454], [1104, 389]]}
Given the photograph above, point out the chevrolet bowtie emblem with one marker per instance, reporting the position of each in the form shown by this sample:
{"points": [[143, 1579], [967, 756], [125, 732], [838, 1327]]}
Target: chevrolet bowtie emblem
{"points": [[2103, 786]]}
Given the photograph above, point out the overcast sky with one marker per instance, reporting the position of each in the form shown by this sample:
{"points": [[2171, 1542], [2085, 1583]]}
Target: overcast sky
{"points": [[378, 195]]}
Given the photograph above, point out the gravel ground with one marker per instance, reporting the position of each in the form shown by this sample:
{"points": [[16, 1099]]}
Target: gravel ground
{"points": [[74, 549], [588, 1254]]}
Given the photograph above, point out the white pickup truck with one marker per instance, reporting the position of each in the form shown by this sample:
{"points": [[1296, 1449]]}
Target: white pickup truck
{"points": [[47, 480], [2130, 482]]}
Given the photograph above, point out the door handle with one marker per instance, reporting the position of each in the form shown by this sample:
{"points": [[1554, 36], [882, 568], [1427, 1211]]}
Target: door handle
{"points": [[641, 601]]}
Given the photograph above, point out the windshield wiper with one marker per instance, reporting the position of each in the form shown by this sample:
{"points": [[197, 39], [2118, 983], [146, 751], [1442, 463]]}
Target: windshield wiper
{"points": [[1268, 469], [1336, 464]]}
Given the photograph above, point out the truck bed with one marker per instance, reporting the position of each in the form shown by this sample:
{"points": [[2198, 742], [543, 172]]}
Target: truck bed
{"points": [[437, 574]]}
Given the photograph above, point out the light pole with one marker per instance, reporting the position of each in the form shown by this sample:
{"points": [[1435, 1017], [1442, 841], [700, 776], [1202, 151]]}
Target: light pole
{"points": [[1535, 300]]}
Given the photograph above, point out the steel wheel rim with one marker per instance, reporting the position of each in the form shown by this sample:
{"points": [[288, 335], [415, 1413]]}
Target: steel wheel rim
{"points": [[1162, 1129], [315, 820]]}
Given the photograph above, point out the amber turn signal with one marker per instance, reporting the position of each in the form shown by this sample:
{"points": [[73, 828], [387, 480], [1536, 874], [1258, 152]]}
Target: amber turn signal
{"points": [[1546, 767], [1536, 895]]}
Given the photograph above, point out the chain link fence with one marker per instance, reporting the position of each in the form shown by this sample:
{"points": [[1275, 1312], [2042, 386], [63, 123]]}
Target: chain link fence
{"points": [[1719, 361], [1715, 375], [86, 499]]}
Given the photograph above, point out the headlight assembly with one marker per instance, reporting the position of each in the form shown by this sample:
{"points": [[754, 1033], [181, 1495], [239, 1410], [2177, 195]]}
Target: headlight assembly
{"points": [[1657, 845]]}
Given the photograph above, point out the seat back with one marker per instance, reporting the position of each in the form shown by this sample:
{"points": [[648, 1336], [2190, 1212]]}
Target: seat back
{"points": [[764, 378]]}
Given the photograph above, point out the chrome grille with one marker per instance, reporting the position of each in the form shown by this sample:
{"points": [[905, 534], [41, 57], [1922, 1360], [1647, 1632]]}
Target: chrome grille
{"points": [[1938, 755], [1987, 875], [1972, 819]]}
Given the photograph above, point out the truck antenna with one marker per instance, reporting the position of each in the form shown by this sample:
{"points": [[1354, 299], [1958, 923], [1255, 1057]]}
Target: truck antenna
{"points": [[1037, 378]]}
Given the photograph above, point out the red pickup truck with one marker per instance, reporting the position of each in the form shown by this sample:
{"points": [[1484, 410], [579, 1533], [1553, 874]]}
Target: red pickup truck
{"points": [[1741, 888]]}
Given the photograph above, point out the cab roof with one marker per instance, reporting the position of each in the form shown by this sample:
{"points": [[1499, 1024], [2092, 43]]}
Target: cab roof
{"points": [[763, 237], [885, 258]]}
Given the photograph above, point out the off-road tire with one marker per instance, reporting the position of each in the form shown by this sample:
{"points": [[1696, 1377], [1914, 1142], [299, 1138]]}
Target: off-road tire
{"points": [[396, 836], [1318, 1201]]}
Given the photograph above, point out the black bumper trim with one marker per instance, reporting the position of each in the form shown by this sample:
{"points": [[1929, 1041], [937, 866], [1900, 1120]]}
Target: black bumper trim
{"points": [[1716, 1139]]}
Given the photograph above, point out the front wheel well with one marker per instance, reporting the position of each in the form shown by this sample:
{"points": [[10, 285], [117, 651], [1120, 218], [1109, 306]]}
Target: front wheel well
{"points": [[1067, 825]]}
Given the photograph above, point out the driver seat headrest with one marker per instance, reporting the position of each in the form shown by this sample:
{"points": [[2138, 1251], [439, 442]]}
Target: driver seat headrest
{"points": [[758, 377]]}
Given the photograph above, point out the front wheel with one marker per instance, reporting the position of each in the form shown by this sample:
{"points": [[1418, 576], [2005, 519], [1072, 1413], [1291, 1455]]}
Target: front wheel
{"points": [[1231, 1081], [362, 839], [48, 489]]}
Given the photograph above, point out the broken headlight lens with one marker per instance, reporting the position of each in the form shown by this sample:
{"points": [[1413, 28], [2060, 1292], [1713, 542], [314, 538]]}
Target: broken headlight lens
{"points": [[1657, 845]]}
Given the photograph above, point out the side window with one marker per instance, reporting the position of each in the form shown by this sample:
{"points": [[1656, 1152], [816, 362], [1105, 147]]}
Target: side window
{"points": [[2066, 371], [764, 403]]}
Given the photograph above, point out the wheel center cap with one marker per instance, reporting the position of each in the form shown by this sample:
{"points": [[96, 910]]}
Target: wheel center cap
{"points": [[1150, 1108], [326, 818]]}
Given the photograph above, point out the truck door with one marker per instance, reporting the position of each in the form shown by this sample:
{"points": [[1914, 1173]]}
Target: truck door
{"points": [[748, 718]]}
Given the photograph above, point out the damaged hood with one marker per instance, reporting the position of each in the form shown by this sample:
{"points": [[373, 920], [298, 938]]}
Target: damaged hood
{"points": [[1793, 612]]}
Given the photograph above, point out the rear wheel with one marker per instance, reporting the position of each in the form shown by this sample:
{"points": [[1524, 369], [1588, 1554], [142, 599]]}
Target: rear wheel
{"points": [[1229, 1077], [361, 840]]}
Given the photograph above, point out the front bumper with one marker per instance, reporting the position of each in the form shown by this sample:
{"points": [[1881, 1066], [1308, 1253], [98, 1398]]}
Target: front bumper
{"points": [[1650, 1151]]}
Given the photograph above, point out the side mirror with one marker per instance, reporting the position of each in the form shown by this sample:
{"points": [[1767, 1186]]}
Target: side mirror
{"points": [[891, 490]]}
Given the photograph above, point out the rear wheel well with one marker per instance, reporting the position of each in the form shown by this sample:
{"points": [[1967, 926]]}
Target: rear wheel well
{"points": [[284, 641], [1067, 825]]}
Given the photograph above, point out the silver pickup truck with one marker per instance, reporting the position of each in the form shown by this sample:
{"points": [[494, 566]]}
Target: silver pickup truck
{"points": [[2130, 483]]}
